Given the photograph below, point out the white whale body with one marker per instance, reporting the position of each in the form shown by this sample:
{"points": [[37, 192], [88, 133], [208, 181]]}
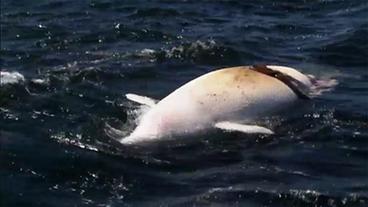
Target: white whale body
{"points": [[229, 99]]}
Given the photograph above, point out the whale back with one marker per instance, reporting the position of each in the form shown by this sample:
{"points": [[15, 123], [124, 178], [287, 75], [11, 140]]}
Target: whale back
{"points": [[223, 93]]}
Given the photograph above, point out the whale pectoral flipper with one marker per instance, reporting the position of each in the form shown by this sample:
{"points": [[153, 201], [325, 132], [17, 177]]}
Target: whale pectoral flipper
{"points": [[251, 129], [144, 100]]}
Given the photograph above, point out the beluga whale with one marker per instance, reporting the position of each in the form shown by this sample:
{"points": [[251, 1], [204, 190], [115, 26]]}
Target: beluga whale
{"points": [[229, 99]]}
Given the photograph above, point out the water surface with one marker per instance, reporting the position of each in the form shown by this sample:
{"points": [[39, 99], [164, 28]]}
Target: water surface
{"points": [[79, 58]]}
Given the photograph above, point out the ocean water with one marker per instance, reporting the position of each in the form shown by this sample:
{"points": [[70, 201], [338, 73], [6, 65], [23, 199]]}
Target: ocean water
{"points": [[66, 66]]}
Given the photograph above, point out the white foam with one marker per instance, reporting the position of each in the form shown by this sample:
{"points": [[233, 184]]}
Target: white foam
{"points": [[146, 53], [39, 81], [10, 78]]}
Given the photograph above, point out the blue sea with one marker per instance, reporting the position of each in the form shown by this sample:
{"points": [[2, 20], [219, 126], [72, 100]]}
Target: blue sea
{"points": [[66, 66]]}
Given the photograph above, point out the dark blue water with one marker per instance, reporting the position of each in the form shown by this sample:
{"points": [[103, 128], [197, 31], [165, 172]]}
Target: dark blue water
{"points": [[79, 58]]}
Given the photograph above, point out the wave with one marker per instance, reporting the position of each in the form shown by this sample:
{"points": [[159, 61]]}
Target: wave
{"points": [[293, 197], [200, 52], [348, 49], [10, 78]]}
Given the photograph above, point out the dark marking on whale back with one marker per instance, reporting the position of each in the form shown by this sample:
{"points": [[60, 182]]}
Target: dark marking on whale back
{"points": [[295, 85]]}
